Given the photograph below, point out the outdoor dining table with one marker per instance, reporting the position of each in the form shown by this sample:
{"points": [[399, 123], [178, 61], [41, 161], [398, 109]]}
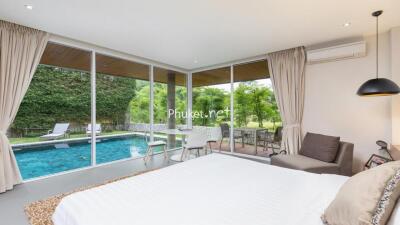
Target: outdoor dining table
{"points": [[183, 133], [254, 132]]}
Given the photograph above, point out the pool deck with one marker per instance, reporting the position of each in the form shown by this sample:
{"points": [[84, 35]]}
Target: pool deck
{"points": [[17, 147], [70, 140]]}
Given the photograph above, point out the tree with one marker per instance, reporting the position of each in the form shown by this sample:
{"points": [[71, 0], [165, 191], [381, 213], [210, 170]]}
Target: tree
{"points": [[253, 100], [259, 103], [242, 103], [274, 115], [140, 105], [208, 101]]}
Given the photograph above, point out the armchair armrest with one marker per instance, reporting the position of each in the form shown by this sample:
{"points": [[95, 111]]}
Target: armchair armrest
{"points": [[345, 158]]}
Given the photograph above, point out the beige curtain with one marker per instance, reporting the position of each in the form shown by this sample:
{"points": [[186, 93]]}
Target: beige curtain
{"points": [[20, 52], [287, 71]]}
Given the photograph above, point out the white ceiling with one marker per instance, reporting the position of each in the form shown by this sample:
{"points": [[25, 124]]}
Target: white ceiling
{"points": [[180, 32]]}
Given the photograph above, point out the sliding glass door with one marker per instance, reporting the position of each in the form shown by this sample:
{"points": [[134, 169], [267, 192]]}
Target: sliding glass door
{"points": [[256, 114], [122, 109], [48, 134], [211, 105], [246, 91], [53, 131]]}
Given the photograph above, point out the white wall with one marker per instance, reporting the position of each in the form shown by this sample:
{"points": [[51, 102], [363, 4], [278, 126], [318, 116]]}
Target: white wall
{"points": [[395, 69], [332, 106]]}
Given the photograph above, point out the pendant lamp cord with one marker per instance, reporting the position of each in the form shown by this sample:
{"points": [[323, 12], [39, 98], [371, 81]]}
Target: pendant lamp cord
{"points": [[377, 47]]}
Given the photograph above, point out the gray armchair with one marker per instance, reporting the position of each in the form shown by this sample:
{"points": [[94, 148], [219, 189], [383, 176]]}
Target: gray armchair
{"points": [[342, 165]]}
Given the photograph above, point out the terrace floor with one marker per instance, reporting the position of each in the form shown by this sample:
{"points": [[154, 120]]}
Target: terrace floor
{"points": [[246, 149]]}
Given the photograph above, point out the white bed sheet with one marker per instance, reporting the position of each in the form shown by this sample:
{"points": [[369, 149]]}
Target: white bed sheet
{"points": [[212, 190]]}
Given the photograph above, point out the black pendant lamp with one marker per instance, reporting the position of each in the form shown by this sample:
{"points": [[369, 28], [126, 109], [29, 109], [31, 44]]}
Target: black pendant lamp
{"points": [[378, 86]]}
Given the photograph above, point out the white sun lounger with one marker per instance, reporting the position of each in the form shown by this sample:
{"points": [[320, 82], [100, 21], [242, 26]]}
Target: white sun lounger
{"points": [[59, 130], [97, 129]]}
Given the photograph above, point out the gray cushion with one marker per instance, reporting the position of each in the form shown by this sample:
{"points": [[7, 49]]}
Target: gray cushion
{"points": [[321, 147], [300, 162]]}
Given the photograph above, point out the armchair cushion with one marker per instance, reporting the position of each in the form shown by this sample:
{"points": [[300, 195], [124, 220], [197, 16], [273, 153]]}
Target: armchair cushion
{"points": [[300, 162], [321, 147]]}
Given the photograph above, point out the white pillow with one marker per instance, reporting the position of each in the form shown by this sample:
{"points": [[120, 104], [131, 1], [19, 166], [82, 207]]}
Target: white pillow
{"points": [[368, 197]]}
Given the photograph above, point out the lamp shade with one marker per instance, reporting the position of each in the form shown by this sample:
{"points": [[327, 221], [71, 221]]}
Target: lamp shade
{"points": [[378, 87]]}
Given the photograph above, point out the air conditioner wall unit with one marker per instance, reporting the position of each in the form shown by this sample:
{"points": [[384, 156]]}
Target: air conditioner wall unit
{"points": [[339, 52]]}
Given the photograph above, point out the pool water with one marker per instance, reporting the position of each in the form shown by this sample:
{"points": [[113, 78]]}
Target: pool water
{"points": [[50, 159]]}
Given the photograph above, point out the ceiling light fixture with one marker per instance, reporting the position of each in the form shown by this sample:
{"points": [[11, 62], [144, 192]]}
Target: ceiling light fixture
{"points": [[195, 61], [29, 7], [378, 86], [347, 24]]}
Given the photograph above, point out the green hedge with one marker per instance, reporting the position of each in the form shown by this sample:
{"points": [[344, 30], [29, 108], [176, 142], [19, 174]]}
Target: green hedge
{"points": [[57, 95]]}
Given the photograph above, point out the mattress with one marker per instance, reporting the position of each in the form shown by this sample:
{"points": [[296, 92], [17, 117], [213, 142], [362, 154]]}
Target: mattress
{"points": [[212, 190]]}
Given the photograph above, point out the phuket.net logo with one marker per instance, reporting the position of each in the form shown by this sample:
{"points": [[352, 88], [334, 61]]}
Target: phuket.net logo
{"points": [[197, 114]]}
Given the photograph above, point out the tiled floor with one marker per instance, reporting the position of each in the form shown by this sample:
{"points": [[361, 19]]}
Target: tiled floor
{"points": [[12, 202]]}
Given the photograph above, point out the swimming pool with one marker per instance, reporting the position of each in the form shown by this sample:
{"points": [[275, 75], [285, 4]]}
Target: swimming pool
{"points": [[37, 161]]}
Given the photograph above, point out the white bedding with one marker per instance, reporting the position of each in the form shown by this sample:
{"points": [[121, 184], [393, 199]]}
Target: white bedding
{"points": [[211, 190]]}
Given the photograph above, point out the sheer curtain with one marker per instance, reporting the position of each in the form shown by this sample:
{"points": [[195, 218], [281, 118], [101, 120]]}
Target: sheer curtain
{"points": [[287, 71], [20, 51]]}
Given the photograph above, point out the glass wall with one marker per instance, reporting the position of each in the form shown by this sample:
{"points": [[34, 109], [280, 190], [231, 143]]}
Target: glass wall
{"points": [[122, 109], [52, 131], [211, 104], [170, 103], [48, 134], [256, 114]]}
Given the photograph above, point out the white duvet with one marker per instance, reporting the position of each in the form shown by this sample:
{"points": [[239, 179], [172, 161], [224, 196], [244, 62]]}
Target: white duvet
{"points": [[210, 190]]}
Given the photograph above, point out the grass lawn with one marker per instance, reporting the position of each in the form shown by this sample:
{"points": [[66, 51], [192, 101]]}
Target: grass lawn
{"points": [[37, 139], [267, 124]]}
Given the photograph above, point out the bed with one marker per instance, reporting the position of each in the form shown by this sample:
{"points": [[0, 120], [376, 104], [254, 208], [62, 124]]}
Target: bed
{"points": [[212, 190]]}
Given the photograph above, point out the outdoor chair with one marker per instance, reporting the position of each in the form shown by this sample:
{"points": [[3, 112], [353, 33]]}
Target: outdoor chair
{"points": [[262, 138], [60, 130], [213, 136], [196, 140], [150, 149], [273, 142], [97, 129], [225, 133]]}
